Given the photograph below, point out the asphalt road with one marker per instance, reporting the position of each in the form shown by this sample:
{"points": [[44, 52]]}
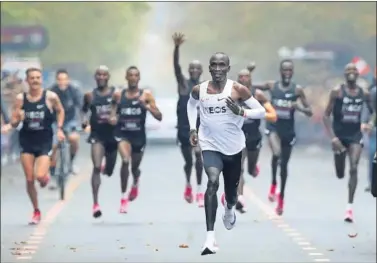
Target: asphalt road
{"points": [[159, 221]]}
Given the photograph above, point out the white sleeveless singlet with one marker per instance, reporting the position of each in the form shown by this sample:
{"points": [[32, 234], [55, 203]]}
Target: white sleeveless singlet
{"points": [[220, 129]]}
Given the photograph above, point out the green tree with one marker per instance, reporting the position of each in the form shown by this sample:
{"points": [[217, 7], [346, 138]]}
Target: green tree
{"points": [[84, 32], [258, 30]]}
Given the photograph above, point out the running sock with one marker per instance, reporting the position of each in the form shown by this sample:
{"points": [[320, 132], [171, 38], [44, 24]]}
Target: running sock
{"points": [[349, 206], [124, 195], [199, 189], [210, 237]]}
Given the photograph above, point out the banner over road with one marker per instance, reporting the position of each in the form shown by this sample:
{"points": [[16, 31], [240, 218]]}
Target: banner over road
{"points": [[24, 38]]}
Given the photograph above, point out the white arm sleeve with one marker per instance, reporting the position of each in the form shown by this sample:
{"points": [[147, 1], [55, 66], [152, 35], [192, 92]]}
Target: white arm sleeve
{"points": [[256, 111], [192, 112]]}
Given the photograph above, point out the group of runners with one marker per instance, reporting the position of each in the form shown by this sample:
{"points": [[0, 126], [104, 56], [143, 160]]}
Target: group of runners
{"points": [[218, 128]]}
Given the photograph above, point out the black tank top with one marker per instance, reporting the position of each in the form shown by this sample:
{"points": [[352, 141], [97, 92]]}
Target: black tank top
{"points": [[347, 113], [131, 115], [251, 126], [100, 109], [282, 100], [183, 122], [37, 125]]}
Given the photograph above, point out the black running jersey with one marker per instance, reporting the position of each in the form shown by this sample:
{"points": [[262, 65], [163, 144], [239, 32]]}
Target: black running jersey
{"points": [[183, 122], [131, 115], [282, 101], [100, 109], [347, 113], [38, 120]]}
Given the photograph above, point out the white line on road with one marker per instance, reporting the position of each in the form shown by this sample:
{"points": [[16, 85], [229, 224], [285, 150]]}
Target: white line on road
{"points": [[270, 213], [309, 248], [303, 243]]}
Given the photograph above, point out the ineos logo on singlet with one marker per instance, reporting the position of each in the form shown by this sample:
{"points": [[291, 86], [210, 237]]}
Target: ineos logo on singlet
{"points": [[103, 109], [215, 110], [351, 109], [35, 119], [35, 114], [283, 108], [131, 111], [103, 113], [283, 103]]}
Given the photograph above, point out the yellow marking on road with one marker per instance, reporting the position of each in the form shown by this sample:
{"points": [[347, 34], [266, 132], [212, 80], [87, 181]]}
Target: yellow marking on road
{"points": [[41, 230]]}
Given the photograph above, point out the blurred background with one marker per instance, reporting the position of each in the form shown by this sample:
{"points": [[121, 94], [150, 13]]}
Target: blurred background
{"points": [[320, 37]]}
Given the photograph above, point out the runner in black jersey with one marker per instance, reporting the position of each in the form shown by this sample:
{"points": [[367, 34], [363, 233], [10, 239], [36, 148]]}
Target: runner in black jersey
{"points": [[252, 134], [281, 134], [101, 137], [345, 105], [129, 111], [184, 88], [35, 109]]}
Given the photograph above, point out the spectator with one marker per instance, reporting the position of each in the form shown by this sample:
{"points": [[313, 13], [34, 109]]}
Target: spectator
{"points": [[11, 85]]}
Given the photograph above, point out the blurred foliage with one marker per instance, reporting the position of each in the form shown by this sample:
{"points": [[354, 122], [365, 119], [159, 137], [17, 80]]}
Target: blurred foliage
{"points": [[90, 32], [256, 30]]}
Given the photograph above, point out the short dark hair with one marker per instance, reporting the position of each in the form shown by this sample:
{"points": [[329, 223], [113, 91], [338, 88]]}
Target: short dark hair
{"points": [[61, 71], [285, 61], [30, 70], [220, 53], [131, 68]]}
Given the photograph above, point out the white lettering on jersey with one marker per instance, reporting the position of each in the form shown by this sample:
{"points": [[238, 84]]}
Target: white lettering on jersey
{"points": [[283, 108], [35, 119], [130, 111], [351, 110], [220, 129]]}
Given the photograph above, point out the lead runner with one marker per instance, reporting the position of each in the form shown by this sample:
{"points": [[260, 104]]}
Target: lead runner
{"points": [[221, 138]]}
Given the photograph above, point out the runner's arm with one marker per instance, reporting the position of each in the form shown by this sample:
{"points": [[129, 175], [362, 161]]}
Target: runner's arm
{"points": [[305, 108], [370, 101], [85, 109], [177, 68], [153, 109], [369, 117], [328, 111], [58, 108], [266, 86], [114, 105], [256, 110], [271, 115], [365, 115], [192, 104]]}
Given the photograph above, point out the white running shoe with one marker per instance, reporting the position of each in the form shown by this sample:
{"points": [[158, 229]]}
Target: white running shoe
{"points": [[209, 248], [229, 217]]}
